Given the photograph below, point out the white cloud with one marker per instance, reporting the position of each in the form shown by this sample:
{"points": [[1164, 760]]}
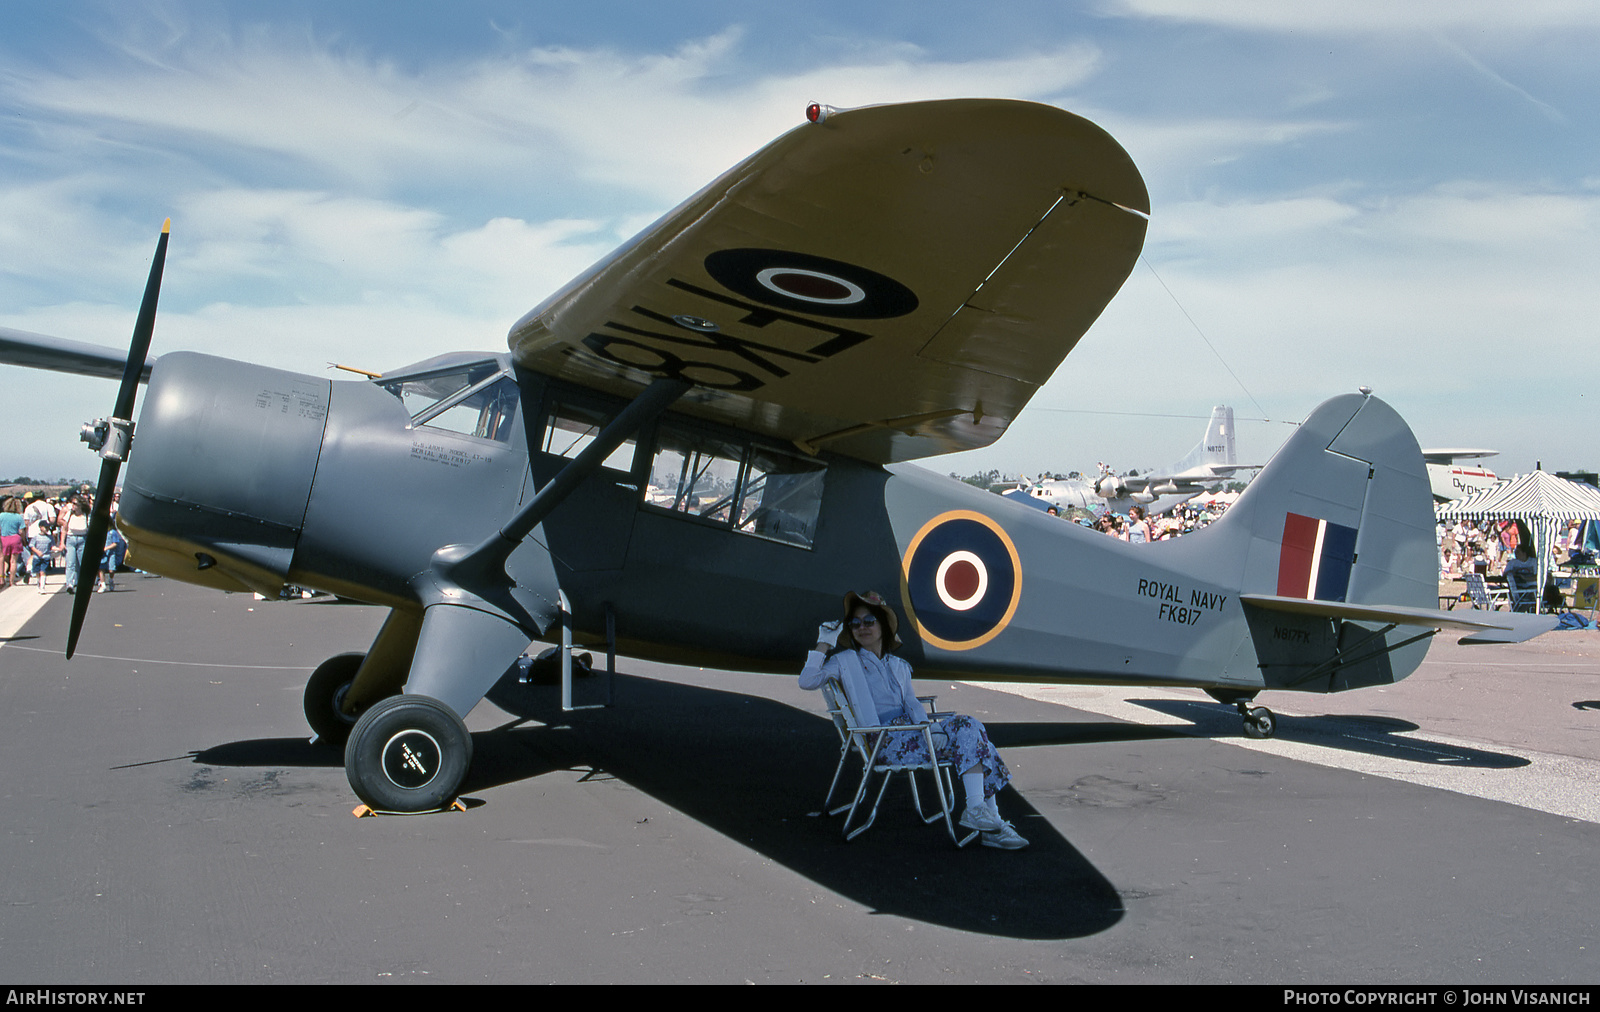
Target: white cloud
{"points": [[1362, 17], [259, 232], [1479, 216], [1168, 151], [1456, 300], [332, 203], [1251, 221], [661, 124]]}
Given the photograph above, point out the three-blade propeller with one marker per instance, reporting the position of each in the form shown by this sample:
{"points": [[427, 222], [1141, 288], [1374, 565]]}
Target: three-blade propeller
{"points": [[118, 436]]}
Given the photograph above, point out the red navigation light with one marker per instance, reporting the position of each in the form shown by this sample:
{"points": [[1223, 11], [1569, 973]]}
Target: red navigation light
{"points": [[816, 112]]}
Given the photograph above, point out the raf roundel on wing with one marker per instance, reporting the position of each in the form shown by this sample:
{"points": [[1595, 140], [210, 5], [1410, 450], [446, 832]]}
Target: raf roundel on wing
{"points": [[810, 284], [962, 580]]}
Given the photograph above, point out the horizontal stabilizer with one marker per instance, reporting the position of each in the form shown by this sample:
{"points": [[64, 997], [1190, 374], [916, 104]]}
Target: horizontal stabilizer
{"points": [[1524, 627], [1482, 626]]}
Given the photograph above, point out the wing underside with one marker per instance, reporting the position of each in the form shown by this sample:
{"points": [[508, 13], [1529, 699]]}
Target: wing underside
{"points": [[891, 282]]}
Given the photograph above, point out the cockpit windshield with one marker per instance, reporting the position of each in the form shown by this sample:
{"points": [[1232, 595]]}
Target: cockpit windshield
{"points": [[477, 400]]}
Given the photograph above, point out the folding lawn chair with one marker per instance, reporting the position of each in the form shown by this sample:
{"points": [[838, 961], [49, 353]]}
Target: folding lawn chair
{"points": [[865, 741], [1483, 598]]}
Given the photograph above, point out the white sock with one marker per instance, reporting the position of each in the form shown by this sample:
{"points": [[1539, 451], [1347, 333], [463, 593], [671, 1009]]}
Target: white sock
{"points": [[972, 784]]}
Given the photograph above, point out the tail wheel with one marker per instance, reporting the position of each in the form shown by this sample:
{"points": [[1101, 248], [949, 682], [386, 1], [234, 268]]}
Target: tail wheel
{"points": [[1260, 723], [408, 754], [324, 698]]}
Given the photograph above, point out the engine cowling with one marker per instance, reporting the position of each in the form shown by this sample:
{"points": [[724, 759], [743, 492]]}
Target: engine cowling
{"points": [[221, 471]]}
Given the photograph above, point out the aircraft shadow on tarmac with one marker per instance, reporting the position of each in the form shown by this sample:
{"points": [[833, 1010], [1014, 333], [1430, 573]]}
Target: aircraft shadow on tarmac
{"points": [[756, 771], [1372, 735]]}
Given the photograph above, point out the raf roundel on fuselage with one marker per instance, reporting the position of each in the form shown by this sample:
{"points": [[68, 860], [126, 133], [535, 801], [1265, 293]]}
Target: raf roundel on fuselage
{"points": [[963, 580]]}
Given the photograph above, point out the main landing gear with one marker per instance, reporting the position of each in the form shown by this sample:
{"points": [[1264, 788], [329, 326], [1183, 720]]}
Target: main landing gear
{"points": [[324, 698], [408, 753], [405, 753]]}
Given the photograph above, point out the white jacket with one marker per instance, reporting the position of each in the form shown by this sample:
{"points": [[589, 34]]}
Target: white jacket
{"points": [[879, 688]]}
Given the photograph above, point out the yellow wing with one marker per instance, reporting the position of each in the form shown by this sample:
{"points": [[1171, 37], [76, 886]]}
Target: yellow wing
{"points": [[891, 282]]}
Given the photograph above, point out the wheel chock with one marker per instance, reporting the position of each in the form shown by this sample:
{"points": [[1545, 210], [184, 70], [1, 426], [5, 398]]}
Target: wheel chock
{"points": [[367, 811]]}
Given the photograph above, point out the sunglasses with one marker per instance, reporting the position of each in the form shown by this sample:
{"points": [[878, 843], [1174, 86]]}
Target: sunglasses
{"points": [[857, 623]]}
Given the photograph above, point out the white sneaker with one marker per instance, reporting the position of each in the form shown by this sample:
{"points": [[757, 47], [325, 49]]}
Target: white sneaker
{"points": [[1006, 838], [979, 817]]}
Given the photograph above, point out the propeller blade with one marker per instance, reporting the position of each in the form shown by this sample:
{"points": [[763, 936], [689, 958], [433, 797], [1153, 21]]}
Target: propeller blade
{"points": [[94, 546], [121, 433]]}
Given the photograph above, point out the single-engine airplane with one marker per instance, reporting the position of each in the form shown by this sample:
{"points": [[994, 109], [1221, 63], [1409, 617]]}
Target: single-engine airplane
{"points": [[1212, 461], [701, 443]]}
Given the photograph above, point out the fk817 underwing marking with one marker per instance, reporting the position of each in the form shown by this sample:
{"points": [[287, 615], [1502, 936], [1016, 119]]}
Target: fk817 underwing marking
{"points": [[657, 351]]}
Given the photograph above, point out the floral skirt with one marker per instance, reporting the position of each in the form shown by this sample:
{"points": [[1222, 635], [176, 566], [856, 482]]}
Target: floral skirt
{"points": [[960, 741]]}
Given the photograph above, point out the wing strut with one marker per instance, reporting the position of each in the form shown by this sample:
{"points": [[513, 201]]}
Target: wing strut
{"points": [[479, 564], [477, 619]]}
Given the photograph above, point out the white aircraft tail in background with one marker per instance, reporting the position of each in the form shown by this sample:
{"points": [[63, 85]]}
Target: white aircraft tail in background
{"points": [[1212, 461]]}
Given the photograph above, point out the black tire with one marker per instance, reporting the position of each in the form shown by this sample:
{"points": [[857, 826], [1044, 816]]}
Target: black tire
{"points": [[408, 754], [1260, 723], [325, 694]]}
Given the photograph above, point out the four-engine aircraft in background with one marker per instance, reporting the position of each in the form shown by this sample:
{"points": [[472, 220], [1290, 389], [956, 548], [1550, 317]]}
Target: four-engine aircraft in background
{"points": [[702, 443], [1213, 461]]}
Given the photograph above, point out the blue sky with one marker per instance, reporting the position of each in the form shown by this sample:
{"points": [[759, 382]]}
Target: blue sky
{"points": [[1344, 192]]}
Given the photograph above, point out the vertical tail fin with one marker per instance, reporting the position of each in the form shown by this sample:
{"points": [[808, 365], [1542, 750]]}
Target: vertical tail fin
{"points": [[1215, 447], [1342, 513]]}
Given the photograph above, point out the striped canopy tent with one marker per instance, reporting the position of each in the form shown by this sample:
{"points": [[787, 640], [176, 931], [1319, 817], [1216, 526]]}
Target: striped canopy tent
{"points": [[1541, 500]]}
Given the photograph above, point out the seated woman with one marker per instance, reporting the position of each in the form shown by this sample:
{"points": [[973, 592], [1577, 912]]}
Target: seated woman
{"points": [[1522, 578], [856, 652]]}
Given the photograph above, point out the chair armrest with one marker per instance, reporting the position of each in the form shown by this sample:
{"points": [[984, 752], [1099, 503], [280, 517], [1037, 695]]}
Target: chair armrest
{"points": [[934, 713], [920, 725]]}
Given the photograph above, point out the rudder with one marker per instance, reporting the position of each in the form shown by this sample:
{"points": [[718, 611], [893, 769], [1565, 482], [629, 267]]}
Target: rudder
{"points": [[1342, 513]]}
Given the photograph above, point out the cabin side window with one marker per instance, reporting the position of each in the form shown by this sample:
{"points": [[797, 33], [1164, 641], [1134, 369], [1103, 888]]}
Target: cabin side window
{"points": [[570, 428], [780, 496], [694, 474], [756, 490]]}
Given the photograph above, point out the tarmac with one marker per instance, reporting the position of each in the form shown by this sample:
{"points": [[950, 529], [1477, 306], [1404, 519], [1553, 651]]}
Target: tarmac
{"points": [[167, 821]]}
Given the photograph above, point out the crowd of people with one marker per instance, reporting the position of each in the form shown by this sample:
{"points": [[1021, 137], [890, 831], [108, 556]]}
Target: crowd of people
{"points": [[40, 534], [1506, 548], [1138, 528], [1493, 546]]}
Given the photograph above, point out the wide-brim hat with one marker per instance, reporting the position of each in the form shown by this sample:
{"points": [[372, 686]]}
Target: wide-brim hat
{"points": [[872, 599]]}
